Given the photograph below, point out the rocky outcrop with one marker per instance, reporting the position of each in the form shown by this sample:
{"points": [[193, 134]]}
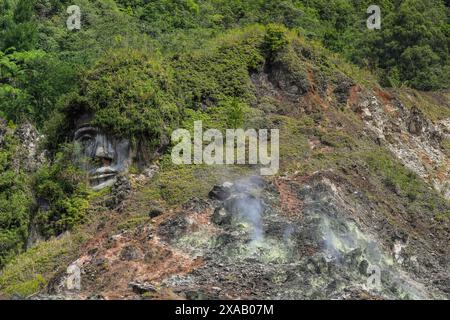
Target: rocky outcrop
{"points": [[410, 136], [335, 244], [31, 157], [331, 250], [28, 156], [119, 192], [336, 233]]}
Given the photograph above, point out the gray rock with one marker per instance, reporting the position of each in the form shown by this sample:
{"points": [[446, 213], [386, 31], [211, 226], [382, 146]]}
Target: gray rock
{"points": [[363, 267], [221, 216], [31, 158], [129, 253], [220, 193], [155, 212], [141, 288], [119, 192]]}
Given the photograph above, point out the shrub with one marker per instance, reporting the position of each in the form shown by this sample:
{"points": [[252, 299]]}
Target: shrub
{"points": [[275, 38], [129, 93], [64, 188], [15, 202], [220, 72], [29, 271], [418, 196]]}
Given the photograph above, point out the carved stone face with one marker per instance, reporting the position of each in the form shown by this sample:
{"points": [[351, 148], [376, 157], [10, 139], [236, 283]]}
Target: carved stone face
{"points": [[104, 156]]}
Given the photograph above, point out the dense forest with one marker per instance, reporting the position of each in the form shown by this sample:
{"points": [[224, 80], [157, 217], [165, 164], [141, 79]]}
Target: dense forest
{"points": [[41, 60]]}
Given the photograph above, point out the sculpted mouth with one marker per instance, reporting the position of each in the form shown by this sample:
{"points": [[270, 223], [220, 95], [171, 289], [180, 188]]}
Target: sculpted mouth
{"points": [[102, 175]]}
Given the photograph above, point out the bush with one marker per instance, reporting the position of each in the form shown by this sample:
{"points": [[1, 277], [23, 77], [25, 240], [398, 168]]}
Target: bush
{"points": [[64, 188], [18, 25], [15, 202], [413, 40], [27, 288], [220, 72], [28, 272], [418, 196], [31, 83], [129, 94], [275, 38]]}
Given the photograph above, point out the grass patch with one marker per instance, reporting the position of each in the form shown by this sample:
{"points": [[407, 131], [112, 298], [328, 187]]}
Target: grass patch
{"points": [[176, 184], [417, 196], [132, 222], [30, 271], [446, 146], [27, 288], [434, 105]]}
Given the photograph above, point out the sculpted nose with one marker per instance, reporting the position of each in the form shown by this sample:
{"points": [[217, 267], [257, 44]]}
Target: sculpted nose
{"points": [[104, 154], [101, 152]]}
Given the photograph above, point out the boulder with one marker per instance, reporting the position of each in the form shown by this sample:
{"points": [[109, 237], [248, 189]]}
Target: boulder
{"points": [[155, 211], [119, 191], [129, 253], [221, 216], [220, 193], [141, 288]]}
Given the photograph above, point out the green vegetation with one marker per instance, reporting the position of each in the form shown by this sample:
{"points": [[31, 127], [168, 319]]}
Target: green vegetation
{"points": [[31, 270], [434, 106], [31, 79], [64, 188], [31, 82], [27, 288], [412, 47], [446, 145], [130, 94], [41, 59], [132, 223], [275, 38], [18, 22], [417, 195], [208, 76], [15, 203], [174, 184]]}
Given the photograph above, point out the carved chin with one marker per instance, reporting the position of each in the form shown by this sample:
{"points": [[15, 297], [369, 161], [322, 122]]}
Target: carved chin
{"points": [[102, 181]]}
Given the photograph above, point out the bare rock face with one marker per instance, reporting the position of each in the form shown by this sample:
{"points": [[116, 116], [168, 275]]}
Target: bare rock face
{"points": [[410, 136], [416, 123], [340, 246], [219, 193], [342, 89], [119, 192], [31, 158]]}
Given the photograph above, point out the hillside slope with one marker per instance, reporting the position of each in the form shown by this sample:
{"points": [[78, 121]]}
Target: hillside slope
{"points": [[362, 193], [355, 189]]}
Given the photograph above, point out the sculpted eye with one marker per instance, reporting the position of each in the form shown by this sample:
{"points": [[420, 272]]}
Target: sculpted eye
{"points": [[85, 139]]}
